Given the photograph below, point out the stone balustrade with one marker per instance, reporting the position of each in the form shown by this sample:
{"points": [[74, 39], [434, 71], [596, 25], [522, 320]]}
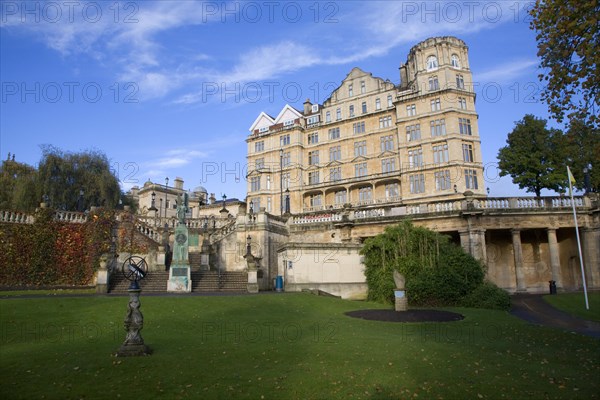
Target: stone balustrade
{"points": [[370, 213], [16, 217], [316, 218], [70, 216], [223, 231], [500, 203], [148, 231], [486, 204], [24, 218], [191, 223]]}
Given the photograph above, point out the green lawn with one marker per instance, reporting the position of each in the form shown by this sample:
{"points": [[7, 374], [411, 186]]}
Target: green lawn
{"points": [[45, 292], [282, 346], [574, 303]]}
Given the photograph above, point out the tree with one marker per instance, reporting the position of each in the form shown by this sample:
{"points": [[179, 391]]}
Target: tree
{"points": [[437, 271], [18, 182], [582, 143], [568, 41], [74, 181], [535, 156]]}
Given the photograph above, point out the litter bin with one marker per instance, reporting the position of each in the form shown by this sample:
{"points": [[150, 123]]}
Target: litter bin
{"points": [[279, 283], [552, 285]]}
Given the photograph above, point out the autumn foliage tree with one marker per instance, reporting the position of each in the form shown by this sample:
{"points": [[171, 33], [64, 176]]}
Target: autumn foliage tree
{"points": [[568, 37]]}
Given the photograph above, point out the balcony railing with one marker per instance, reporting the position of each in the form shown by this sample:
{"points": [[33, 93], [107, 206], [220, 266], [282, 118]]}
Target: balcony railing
{"points": [[361, 210]]}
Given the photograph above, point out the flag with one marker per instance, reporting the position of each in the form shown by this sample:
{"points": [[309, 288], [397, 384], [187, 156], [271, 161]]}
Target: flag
{"points": [[571, 180]]}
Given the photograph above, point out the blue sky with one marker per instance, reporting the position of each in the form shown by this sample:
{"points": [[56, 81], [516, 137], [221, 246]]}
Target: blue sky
{"points": [[170, 88]]}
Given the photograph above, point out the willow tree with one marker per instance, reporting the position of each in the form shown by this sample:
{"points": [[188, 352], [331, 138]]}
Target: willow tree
{"points": [[437, 271], [72, 181]]}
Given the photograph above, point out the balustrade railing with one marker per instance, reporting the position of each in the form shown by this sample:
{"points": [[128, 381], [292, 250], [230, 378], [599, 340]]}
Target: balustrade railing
{"points": [[25, 218], [223, 231], [456, 206]]}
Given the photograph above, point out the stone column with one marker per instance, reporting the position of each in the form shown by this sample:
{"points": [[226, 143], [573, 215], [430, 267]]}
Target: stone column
{"points": [[478, 245], [590, 239], [465, 240], [554, 257], [518, 255]]}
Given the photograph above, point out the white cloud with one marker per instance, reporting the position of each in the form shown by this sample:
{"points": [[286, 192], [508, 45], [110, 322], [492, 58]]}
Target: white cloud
{"points": [[134, 52], [505, 73]]}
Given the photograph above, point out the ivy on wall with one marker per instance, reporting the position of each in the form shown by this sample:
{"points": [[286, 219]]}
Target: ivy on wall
{"points": [[54, 253]]}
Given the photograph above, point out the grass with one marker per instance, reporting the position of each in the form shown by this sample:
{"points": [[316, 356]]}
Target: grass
{"points": [[45, 292], [286, 346], [574, 303]]}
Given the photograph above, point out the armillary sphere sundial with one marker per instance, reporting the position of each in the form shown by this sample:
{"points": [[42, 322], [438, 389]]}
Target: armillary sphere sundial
{"points": [[134, 269]]}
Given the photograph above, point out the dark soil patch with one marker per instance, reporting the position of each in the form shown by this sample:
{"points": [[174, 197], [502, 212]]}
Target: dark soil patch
{"points": [[406, 316]]}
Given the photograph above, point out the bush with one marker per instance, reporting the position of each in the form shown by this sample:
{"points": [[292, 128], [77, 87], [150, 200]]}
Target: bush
{"points": [[438, 272], [487, 295]]}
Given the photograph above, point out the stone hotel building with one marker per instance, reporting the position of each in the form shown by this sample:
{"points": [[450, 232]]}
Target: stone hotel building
{"points": [[372, 142], [323, 179]]}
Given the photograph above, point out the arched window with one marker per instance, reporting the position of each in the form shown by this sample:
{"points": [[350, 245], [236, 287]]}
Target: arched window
{"points": [[432, 63], [455, 61]]}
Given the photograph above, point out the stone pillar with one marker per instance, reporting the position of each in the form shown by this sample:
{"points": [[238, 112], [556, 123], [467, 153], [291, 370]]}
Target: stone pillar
{"points": [[478, 249], [518, 255], [160, 259], [590, 243], [102, 277], [554, 257], [465, 240]]}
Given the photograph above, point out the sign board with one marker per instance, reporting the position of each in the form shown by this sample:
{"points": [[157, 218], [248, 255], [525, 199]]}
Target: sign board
{"points": [[178, 271]]}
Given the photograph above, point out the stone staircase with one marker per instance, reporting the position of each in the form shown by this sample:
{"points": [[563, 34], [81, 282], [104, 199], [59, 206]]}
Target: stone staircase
{"points": [[155, 282], [202, 281], [208, 281], [195, 259]]}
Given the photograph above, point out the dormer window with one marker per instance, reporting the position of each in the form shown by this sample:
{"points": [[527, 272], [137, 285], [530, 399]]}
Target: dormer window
{"points": [[312, 120], [454, 60], [263, 129], [315, 108], [289, 122], [432, 63]]}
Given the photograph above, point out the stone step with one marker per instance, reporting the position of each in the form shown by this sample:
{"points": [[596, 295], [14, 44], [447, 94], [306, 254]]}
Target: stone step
{"points": [[202, 281], [155, 282]]}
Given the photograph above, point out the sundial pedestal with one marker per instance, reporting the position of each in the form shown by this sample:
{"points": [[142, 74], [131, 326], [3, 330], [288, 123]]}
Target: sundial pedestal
{"points": [[134, 269], [133, 346]]}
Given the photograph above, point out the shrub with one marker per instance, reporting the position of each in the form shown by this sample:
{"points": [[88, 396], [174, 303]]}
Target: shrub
{"points": [[487, 295], [438, 272]]}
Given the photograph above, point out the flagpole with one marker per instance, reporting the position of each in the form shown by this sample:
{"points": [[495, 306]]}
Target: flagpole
{"points": [[587, 304]]}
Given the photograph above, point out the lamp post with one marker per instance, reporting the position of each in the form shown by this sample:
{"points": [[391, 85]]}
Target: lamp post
{"points": [[281, 181], [586, 178], [166, 188], [152, 206], [248, 247], [287, 200]]}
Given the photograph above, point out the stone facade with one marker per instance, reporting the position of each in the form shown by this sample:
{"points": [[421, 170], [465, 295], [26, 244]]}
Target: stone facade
{"points": [[373, 142]]}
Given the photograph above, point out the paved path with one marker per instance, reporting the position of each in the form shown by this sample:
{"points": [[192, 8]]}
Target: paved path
{"points": [[532, 308]]}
